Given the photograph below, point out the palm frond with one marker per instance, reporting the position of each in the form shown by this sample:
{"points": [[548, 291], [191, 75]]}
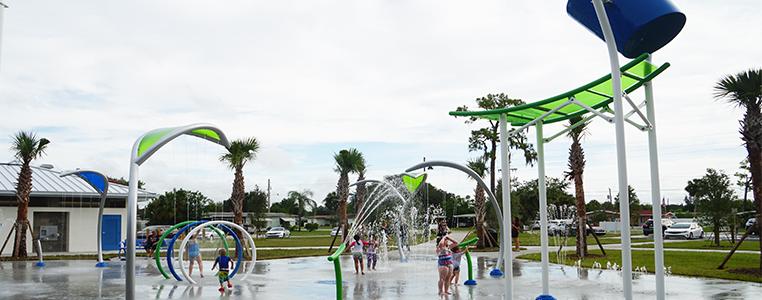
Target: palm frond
{"points": [[27, 147], [742, 89], [240, 152], [348, 161]]}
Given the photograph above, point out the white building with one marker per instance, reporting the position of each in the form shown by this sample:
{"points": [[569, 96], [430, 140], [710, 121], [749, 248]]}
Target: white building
{"points": [[63, 211]]}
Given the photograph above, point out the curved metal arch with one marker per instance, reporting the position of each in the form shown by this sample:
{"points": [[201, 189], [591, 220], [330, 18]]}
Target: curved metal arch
{"points": [[104, 194], [136, 159], [253, 248], [174, 133], [479, 181], [171, 245]]}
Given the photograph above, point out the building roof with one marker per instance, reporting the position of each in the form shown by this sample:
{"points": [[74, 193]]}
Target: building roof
{"points": [[46, 182]]}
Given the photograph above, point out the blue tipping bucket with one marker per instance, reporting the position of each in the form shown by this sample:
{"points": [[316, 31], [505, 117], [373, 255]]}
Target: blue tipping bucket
{"points": [[639, 26]]}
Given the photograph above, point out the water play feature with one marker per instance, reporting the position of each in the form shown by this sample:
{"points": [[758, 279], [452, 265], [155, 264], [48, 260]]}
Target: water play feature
{"points": [[99, 182], [144, 147], [389, 191]]}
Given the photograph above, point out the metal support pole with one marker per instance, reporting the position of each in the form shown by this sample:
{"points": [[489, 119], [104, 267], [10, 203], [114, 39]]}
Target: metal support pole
{"points": [[100, 231], [542, 188], [655, 192], [132, 213], [506, 177], [624, 201]]}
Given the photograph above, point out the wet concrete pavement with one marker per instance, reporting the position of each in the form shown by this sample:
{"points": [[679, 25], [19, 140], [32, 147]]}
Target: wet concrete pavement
{"points": [[313, 278]]}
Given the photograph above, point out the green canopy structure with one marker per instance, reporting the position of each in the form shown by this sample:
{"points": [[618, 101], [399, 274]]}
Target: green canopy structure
{"points": [[595, 95], [586, 102]]}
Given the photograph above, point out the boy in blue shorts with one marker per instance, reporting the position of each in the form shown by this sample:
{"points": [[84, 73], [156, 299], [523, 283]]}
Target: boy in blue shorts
{"points": [[225, 263]]}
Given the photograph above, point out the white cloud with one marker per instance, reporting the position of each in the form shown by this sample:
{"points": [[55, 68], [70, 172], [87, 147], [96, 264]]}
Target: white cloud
{"points": [[303, 76]]}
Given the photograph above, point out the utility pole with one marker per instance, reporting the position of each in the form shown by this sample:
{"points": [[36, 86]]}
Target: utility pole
{"points": [[268, 195]]}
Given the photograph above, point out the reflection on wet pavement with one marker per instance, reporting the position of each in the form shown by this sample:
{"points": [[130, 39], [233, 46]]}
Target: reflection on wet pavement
{"points": [[313, 278]]}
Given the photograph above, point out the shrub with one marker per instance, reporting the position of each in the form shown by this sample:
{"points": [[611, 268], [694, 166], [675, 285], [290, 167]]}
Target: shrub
{"points": [[311, 226]]}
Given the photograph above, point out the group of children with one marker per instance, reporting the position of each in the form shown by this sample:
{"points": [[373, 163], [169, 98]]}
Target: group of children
{"points": [[449, 255], [358, 248]]}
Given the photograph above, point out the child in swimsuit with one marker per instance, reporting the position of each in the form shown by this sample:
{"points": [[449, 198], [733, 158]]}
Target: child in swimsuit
{"points": [[444, 265], [356, 248], [457, 254], [370, 252], [225, 263], [194, 254]]}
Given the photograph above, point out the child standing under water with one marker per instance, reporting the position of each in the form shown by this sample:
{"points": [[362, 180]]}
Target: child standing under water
{"points": [[225, 263], [370, 252], [444, 264], [356, 248], [194, 254]]}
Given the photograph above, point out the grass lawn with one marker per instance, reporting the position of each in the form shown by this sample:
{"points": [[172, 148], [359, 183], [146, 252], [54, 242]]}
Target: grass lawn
{"points": [[533, 239], [304, 241], [704, 244], [702, 264]]}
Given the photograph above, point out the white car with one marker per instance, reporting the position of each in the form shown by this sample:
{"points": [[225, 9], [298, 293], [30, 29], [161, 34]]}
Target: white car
{"points": [[685, 230], [278, 232], [335, 231]]}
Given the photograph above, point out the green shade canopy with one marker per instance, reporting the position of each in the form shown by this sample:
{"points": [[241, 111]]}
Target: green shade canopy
{"points": [[596, 94], [154, 139], [413, 183]]}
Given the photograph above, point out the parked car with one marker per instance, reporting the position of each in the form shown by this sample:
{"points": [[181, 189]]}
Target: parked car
{"points": [[335, 231], [750, 223], [648, 226], [685, 230], [560, 227], [278, 232]]}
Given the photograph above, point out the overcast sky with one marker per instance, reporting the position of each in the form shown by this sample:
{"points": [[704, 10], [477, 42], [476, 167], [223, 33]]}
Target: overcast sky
{"points": [[308, 78]]}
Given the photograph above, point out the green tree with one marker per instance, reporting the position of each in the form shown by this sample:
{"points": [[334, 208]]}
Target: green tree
{"points": [[26, 147], [745, 90], [486, 139], [578, 129], [125, 182], [177, 206], [255, 204], [480, 204], [347, 161], [304, 202], [743, 177], [525, 197], [239, 153], [634, 205], [714, 199]]}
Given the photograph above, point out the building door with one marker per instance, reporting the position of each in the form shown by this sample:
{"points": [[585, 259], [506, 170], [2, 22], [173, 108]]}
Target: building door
{"points": [[112, 232], [53, 230]]}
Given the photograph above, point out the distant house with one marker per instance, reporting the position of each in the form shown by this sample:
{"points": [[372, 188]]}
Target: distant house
{"points": [[63, 211], [273, 219]]}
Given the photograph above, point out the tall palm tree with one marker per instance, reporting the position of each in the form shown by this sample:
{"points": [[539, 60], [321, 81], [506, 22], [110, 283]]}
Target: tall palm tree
{"points": [[361, 189], [303, 202], [576, 169], [480, 205], [26, 148], [745, 91], [240, 152], [347, 161]]}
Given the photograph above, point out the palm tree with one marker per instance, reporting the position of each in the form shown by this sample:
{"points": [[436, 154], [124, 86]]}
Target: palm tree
{"points": [[347, 161], [26, 147], [361, 189], [240, 152], [303, 202], [480, 206], [745, 90], [576, 169]]}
